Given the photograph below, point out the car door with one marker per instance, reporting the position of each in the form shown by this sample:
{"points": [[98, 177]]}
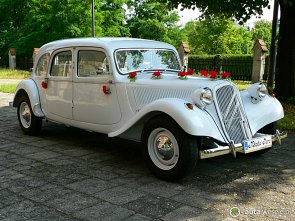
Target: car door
{"points": [[94, 93], [58, 94]]}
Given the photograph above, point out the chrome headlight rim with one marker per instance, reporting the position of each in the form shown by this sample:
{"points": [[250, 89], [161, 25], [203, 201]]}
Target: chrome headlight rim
{"points": [[206, 97], [257, 91], [202, 97], [262, 90]]}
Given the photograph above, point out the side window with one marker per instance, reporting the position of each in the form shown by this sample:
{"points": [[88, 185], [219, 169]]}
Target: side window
{"points": [[92, 63], [42, 65], [62, 64]]}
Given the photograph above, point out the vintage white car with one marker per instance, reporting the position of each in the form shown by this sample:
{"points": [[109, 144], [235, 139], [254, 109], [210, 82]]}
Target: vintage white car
{"points": [[136, 89]]}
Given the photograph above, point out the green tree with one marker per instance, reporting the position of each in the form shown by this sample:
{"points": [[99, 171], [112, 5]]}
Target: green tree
{"points": [[110, 18], [26, 24], [214, 35], [262, 30], [31, 23], [155, 21], [243, 10]]}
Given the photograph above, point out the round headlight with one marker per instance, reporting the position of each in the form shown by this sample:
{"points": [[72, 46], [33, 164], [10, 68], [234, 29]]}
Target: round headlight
{"points": [[262, 90], [206, 96], [257, 91], [202, 97]]}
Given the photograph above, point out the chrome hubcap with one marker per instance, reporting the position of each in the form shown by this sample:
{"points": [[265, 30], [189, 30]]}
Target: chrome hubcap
{"points": [[163, 148], [25, 115]]}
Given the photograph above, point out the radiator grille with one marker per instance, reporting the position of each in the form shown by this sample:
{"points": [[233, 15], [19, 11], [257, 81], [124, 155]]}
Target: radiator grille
{"points": [[231, 113]]}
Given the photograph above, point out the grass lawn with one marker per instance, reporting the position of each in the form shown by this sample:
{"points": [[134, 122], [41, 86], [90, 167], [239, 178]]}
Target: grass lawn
{"points": [[243, 85], [288, 122], [14, 74], [8, 88]]}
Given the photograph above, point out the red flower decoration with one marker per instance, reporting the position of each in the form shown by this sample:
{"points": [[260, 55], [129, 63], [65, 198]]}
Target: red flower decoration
{"points": [[132, 74], [182, 74], [44, 84], [213, 74], [204, 73], [226, 75], [106, 90], [157, 74], [190, 72]]}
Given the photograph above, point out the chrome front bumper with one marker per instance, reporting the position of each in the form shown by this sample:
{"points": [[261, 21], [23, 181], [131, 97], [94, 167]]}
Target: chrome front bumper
{"points": [[233, 148]]}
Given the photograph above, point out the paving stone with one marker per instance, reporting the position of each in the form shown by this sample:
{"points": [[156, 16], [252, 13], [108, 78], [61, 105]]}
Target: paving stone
{"points": [[104, 211], [43, 155], [138, 217], [9, 198], [183, 213], [72, 202], [161, 188], [19, 211], [45, 193], [23, 184], [43, 143], [90, 186], [23, 149], [120, 195], [133, 181], [196, 198], [153, 206], [60, 161]]}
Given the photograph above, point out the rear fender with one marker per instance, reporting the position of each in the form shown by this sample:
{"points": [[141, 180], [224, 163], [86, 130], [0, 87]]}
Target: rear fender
{"points": [[28, 87]]}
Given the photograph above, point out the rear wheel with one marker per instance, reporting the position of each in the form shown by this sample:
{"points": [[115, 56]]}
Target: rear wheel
{"points": [[29, 123], [170, 153]]}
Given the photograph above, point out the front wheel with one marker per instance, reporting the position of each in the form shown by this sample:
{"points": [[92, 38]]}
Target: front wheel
{"points": [[170, 153], [29, 123]]}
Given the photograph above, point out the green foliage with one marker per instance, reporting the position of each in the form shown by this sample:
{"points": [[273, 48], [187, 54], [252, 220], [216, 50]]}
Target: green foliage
{"points": [[110, 18], [31, 23], [215, 35], [262, 30], [241, 10], [26, 24], [153, 20]]}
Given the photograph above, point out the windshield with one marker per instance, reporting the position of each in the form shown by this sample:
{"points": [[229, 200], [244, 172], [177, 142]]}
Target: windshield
{"points": [[144, 60]]}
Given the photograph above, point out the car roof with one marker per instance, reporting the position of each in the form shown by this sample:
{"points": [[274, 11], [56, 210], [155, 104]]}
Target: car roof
{"points": [[108, 43]]}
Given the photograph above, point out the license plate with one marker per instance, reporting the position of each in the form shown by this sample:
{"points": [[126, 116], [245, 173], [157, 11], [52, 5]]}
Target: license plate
{"points": [[258, 143]]}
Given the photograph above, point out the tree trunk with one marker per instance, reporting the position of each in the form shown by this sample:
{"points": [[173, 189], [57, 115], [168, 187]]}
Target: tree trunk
{"points": [[285, 74]]}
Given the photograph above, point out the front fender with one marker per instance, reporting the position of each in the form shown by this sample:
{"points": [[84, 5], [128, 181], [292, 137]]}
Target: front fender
{"points": [[266, 111], [195, 122], [29, 87]]}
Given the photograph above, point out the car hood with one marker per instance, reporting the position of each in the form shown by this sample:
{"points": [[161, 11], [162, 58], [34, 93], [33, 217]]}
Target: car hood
{"points": [[146, 90]]}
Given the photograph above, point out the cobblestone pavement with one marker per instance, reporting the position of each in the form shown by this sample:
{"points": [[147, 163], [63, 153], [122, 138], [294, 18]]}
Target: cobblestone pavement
{"points": [[70, 174]]}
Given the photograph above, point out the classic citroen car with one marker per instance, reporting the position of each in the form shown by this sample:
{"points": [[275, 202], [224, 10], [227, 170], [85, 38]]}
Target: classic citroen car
{"points": [[137, 89]]}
